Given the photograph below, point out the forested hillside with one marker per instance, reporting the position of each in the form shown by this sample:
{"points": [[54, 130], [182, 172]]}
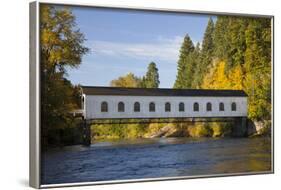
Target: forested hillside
{"points": [[235, 54]]}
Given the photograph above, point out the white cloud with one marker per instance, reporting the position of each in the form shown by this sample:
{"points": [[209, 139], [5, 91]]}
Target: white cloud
{"points": [[159, 49]]}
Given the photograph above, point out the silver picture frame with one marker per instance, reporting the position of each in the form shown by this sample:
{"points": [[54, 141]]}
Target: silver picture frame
{"points": [[34, 82]]}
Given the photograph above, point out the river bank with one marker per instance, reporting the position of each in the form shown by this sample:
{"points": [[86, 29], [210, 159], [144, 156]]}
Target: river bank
{"points": [[73, 135], [194, 129]]}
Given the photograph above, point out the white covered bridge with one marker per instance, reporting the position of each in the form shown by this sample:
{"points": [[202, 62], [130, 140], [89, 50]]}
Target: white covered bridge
{"points": [[119, 103], [106, 105]]}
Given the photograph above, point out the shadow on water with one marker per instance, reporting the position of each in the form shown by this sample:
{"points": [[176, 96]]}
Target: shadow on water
{"points": [[159, 157]]}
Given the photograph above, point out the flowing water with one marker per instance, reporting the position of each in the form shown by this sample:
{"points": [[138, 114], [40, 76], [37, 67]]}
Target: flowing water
{"points": [[151, 158]]}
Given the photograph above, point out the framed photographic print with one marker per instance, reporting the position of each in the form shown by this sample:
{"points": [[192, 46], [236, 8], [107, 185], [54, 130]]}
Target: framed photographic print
{"points": [[127, 94]]}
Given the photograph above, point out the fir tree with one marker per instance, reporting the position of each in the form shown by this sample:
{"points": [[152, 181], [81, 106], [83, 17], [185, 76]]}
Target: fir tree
{"points": [[221, 43], [186, 48], [258, 68], [151, 79], [194, 79], [206, 53]]}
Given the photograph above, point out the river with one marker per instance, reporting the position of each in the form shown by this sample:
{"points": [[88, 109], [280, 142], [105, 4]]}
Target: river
{"points": [[151, 158]]}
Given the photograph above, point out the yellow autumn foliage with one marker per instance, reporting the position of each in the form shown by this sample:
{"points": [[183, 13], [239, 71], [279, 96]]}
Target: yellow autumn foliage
{"points": [[129, 80], [218, 79]]}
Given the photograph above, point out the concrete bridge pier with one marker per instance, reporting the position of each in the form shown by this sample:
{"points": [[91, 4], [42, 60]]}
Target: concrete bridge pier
{"points": [[240, 127], [86, 132]]}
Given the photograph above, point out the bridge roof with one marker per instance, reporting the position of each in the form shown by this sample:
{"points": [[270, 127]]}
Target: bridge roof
{"points": [[120, 91]]}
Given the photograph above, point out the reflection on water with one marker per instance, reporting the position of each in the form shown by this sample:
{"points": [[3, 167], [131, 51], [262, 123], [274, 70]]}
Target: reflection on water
{"points": [[150, 158]]}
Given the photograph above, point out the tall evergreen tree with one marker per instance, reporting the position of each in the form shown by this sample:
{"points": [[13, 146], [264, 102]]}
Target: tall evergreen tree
{"points": [[195, 63], [186, 48], [236, 52], [242, 60], [229, 40], [151, 79], [221, 43], [206, 53], [258, 68], [208, 43], [191, 62]]}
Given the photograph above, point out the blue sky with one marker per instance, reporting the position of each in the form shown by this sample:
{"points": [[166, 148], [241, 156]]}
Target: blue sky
{"points": [[122, 41]]}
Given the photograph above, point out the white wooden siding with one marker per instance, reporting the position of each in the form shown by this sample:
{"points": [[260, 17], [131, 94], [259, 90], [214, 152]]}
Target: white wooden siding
{"points": [[92, 106]]}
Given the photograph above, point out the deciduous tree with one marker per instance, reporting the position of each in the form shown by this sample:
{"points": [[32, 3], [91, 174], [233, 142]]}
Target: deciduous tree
{"points": [[129, 80], [61, 46]]}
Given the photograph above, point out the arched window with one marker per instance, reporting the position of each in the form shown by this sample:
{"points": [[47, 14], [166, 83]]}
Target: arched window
{"points": [[104, 107], [221, 106], [152, 107], [136, 107], [167, 107], [121, 107], [181, 107], [233, 106], [195, 106], [209, 106]]}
